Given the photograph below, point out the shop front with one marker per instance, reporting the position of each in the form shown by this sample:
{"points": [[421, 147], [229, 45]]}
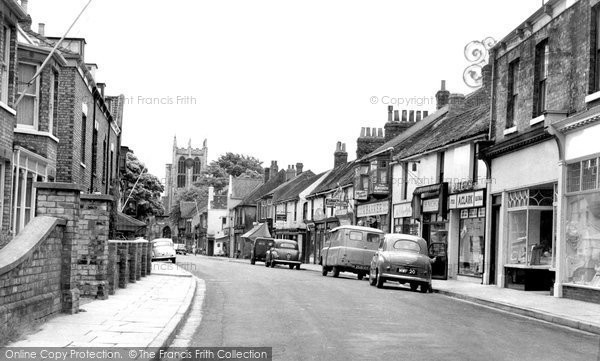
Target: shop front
{"points": [[319, 230], [374, 215], [429, 206], [468, 210], [403, 221]]}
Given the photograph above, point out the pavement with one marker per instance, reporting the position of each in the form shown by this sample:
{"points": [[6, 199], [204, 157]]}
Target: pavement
{"points": [[146, 314], [584, 316]]}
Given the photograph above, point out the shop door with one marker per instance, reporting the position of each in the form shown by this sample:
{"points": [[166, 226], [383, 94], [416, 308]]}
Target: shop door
{"points": [[439, 268]]}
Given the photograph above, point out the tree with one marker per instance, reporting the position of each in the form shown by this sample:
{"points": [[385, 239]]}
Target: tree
{"points": [[237, 165], [145, 199]]}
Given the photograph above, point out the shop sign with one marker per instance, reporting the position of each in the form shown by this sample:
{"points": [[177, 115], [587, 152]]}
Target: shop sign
{"points": [[431, 205], [481, 213], [281, 217], [381, 189], [464, 213], [373, 209], [360, 195], [332, 203], [466, 200], [403, 210], [473, 213], [341, 212]]}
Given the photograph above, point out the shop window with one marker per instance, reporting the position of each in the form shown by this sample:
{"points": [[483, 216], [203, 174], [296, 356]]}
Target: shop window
{"points": [[471, 247], [531, 227], [583, 176], [582, 234]]}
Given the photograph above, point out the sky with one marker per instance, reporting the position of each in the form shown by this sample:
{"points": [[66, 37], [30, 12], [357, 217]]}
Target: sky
{"points": [[277, 80]]}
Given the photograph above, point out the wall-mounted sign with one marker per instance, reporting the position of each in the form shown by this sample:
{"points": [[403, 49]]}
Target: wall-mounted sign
{"points": [[332, 202], [373, 209], [467, 200], [360, 195], [381, 189], [403, 210], [431, 205], [473, 213], [481, 213], [464, 213]]}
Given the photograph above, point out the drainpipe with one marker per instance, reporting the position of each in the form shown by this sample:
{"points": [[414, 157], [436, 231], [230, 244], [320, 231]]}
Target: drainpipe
{"points": [[488, 191]]}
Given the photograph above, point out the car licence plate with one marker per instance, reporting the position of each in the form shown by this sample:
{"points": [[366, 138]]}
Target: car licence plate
{"points": [[410, 271]]}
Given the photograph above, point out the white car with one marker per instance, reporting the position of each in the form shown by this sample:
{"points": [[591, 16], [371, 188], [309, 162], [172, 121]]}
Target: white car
{"points": [[163, 249]]}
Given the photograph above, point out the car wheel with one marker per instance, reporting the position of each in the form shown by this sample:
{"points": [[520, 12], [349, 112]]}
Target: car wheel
{"points": [[266, 263], [298, 266], [252, 261], [324, 270], [360, 276], [291, 266], [173, 259], [272, 264], [425, 287], [336, 272], [414, 286], [371, 278], [379, 280]]}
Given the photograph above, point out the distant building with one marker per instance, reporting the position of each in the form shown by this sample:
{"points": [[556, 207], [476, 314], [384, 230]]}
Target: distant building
{"points": [[183, 171]]}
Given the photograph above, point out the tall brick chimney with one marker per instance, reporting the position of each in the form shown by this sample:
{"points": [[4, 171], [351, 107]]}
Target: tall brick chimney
{"points": [[442, 96], [369, 141], [393, 127], [274, 169], [299, 168], [340, 156], [267, 174], [290, 172]]}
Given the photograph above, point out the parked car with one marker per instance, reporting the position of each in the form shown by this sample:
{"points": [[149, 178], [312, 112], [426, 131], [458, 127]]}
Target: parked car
{"points": [[350, 249], [163, 249], [259, 249], [283, 251], [180, 248], [402, 258]]}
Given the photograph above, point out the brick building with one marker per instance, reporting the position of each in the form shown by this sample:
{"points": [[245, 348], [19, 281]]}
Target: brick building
{"points": [[545, 194], [12, 13]]}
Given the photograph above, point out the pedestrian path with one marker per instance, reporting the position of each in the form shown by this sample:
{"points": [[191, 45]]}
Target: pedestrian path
{"points": [[580, 315], [147, 313]]}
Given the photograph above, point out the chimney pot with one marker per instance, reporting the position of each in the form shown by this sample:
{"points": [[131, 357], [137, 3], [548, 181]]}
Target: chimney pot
{"points": [[442, 96], [390, 111], [42, 29], [425, 114], [411, 117], [343, 147], [396, 115], [443, 85], [374, 132], [405, 115], [368, 132], [380, 132], [418, 116], [363, 132]]}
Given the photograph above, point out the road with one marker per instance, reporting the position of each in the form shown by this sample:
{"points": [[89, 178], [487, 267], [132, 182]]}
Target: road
{"points": [[305, 316]]}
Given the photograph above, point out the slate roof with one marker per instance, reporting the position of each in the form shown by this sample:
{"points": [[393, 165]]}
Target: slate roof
{"points": [[241, 187], [291, 189], [341, 175], [188, 209], [452, 129], [219, 202], [272, 183]]}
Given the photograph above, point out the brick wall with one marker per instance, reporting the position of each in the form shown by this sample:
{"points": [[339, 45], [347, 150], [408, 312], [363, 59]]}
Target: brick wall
{"points": [[581, 294], [32, 290], [569, 43]]}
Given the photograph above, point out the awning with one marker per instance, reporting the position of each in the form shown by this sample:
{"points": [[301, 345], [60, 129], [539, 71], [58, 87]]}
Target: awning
{"points": [[127, 223], [260, 230]]}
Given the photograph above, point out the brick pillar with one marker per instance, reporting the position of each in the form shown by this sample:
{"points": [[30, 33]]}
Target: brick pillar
{"points": [[123, 257], [92, 255], [113, 267], [61, 200], [145, 260], [133, 260], [149, 257]]}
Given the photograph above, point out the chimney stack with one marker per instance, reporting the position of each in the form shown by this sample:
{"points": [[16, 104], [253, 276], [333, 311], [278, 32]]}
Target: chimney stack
{"points": [[102, 86], [456, 100], [340, 156], [299, 168], [267, 174], [486, 74], [42, 29], [290, 173], [442, 96], [274, 169]]}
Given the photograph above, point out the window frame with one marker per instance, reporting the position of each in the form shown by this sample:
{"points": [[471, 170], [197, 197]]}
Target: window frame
{"points": [[540, 87], [512, 93], [595, 44], [5, 67], [35, 95]]}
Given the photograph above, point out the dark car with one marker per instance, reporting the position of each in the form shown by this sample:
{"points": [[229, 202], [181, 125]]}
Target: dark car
{"points": [[404, 259], [284, 251], [259, 249]]}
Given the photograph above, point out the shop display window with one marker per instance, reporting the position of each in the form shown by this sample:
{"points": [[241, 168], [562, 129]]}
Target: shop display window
{"points": [[583, 239], [471, 247]]}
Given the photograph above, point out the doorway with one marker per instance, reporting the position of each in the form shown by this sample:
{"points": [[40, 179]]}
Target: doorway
{"points": [[435, 232]]}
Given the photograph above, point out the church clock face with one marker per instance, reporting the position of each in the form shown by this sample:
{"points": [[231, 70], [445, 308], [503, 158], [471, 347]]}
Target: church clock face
{"points": [[189, 163]]}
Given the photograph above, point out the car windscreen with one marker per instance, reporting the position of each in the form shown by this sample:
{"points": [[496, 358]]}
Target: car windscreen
{"points": [[287, 245], [405, 245]]}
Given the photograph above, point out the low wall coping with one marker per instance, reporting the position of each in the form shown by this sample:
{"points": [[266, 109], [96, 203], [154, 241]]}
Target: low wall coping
{"points": [[59, 186], [24, 244], [97, 197]]}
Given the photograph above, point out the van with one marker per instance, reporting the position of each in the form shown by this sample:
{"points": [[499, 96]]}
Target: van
{"points": [[259, 249], [350, 249]]}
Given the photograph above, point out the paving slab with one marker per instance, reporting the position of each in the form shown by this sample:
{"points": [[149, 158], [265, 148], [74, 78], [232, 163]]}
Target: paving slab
{"points": [[147, 313]]}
